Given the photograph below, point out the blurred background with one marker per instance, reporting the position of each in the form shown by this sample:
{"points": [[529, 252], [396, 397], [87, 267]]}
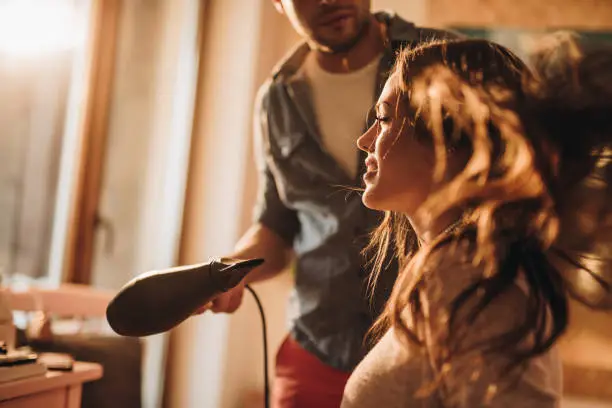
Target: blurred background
{"points": [[125, 145]]}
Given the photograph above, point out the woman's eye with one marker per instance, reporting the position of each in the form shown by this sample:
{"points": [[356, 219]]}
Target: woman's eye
{"points": [[383, 119]]}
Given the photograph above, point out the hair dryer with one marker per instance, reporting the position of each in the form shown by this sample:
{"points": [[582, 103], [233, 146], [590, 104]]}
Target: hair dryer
{"points": [[157, 301]]}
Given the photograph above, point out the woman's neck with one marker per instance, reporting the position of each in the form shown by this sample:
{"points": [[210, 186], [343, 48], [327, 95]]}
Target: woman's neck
{"points": [[427, 230]]}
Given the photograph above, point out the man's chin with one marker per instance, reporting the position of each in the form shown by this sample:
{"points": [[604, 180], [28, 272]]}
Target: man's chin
{"points": [[338, 44]]}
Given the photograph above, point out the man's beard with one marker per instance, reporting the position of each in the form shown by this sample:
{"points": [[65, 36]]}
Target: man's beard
{"points": [[347, 46]]}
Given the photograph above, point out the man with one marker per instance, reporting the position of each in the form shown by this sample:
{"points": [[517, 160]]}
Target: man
{"points": [[309, 115]]}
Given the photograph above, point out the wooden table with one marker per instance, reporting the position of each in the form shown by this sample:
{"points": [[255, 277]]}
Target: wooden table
{"points": [[56, 389]]}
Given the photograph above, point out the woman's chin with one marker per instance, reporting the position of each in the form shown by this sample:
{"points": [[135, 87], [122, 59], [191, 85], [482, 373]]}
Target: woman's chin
{"points": [[370, 199]]}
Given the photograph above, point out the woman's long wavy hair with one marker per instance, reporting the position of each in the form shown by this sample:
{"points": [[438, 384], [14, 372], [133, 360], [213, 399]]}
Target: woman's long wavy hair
{"points": [[532, 136]]}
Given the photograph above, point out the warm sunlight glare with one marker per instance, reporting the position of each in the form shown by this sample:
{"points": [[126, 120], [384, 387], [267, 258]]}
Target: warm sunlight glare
{"points": [[36, 27]]}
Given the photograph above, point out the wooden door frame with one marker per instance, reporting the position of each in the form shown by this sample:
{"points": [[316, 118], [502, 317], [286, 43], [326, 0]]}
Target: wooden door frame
{"points": [[102, 49]]}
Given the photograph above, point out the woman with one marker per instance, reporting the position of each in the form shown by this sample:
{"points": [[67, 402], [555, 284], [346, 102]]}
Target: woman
{"points": [[472, 156]]}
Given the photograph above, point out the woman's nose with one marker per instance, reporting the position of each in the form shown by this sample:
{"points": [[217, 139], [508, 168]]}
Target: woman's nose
{"points": [[367, 140]]}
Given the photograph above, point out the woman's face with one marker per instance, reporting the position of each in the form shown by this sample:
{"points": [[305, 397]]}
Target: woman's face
{"points": [[400, 168]]}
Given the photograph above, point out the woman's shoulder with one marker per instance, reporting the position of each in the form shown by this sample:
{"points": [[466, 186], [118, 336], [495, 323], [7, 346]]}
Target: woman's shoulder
{"points": [[457, 270], [389, 376], [452, 267]]}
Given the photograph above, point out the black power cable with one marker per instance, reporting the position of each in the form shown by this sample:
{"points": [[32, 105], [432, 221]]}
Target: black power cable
{"points": [[265, 346]]}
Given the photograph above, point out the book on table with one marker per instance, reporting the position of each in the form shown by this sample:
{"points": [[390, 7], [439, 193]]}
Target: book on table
{"points": [[20, 364]]}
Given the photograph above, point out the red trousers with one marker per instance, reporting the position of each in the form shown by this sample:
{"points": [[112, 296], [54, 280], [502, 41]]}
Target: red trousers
{"points": [[303, 381]]}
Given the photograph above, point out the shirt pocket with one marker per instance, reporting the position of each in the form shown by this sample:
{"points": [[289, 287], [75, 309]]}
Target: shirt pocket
{"points": [[301, 172]]}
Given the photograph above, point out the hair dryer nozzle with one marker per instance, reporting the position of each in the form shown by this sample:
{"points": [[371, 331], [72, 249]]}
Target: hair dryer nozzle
{"points": [[240, 264], [234, 273]]}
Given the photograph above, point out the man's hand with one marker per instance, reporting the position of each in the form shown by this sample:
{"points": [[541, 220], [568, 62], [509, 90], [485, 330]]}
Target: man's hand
{"points": [[227, 302], [230, 301], [257, 242]]}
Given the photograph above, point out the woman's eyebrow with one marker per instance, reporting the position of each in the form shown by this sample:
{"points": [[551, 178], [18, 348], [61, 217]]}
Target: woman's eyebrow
{"points": [[381, 104]]}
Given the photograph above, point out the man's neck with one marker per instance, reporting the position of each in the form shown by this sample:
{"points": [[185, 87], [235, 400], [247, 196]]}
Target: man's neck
{"points": [[361, 54]]}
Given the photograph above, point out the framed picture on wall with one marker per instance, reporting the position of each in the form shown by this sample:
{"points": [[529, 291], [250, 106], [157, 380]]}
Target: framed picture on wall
{"points": [[521, 41]]}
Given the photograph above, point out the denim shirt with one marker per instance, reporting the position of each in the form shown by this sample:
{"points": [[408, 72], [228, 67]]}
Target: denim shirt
{"points": [[305, 197]]}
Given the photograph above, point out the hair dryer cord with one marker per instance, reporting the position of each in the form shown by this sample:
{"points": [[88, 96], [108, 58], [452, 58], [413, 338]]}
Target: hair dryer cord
{"points": [[265, 346]]}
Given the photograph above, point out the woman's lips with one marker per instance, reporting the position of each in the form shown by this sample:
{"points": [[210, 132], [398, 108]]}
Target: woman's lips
{"points": [[369, 176], [371, 163], [372, 169]]}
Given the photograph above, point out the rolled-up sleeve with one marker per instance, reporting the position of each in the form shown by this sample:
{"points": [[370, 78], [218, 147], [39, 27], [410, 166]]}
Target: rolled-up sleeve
{"points": [[270, 210]]}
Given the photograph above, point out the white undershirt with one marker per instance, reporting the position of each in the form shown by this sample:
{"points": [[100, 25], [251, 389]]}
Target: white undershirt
{"points": [[341, 103]]}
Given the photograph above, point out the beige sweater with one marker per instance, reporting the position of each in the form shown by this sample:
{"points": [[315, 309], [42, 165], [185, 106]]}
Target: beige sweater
{"points": [[392, 374]]}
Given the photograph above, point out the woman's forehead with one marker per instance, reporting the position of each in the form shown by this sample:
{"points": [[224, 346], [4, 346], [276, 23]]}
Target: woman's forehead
{"points": [[390, 90]]}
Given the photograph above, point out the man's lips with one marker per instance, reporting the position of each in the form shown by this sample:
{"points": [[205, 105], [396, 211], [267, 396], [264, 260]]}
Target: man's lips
{"points": [[335, 17]]}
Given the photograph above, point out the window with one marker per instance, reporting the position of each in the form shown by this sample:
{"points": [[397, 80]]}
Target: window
{"points": [[41, 44]]}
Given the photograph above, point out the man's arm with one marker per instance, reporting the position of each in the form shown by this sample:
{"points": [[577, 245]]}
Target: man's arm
{"points": [[261, 242], [274, 227], [258, 242]]}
